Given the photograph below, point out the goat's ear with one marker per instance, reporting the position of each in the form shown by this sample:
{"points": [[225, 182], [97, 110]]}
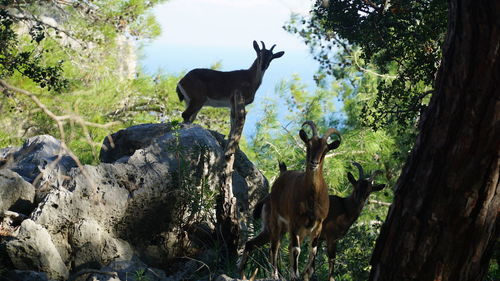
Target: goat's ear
{"points": [[378, 187], [333, 144], [303, 136], [256, 46], [351, 178], [278, 55]]}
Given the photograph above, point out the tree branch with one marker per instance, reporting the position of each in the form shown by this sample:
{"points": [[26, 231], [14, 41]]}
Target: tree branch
{"points": [[372, 5], [59, 120], [226, 211]]}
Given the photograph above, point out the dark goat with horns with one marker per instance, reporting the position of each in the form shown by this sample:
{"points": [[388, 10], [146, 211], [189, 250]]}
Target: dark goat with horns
{"points": [[343, 212], [202, 86], [298, 204]]}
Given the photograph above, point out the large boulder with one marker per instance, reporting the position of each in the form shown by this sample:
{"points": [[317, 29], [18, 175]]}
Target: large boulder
{"points": [[41, 161], [36, 154], [153, 198], [15, 193], [33, 250], [125, 146]]}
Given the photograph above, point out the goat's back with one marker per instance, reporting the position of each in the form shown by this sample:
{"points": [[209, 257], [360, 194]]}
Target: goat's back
{"points": [[216, 84]]}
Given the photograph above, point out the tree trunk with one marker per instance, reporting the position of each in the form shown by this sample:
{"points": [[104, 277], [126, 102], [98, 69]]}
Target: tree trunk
{"points": [[444, 221], [226, 210]]}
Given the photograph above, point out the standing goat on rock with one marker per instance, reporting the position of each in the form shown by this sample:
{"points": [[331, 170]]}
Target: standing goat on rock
{"points": [[344, 212], [298, 204], [201, 87]]}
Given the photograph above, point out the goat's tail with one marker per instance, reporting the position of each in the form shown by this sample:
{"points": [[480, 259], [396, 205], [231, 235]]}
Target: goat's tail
{"points": [[179, 93], [257, 211], [282, 167]]}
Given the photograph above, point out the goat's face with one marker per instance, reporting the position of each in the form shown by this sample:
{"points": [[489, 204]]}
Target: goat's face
{"points": [[317, 147], [364, 185], [265, 56]]}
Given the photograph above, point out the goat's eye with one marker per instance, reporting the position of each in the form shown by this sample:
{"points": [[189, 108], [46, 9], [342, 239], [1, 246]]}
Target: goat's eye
{"points": [[332, 138]]}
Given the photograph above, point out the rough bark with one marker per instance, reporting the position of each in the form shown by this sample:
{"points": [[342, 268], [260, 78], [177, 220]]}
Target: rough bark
{"points": [[444, 221], [227, 215]]}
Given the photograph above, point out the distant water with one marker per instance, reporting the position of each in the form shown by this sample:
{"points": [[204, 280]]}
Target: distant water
{"points": [[179, 59]]}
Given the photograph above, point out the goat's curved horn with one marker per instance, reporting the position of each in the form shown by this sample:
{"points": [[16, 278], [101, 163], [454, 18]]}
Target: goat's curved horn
{"points": [[263, 45], [330, 132], [272, 47], [360, 170], [313, 127], [374, 174]]}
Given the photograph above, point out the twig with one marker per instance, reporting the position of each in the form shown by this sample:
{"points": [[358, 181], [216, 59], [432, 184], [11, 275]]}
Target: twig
{"points": [[373, 201], [299, 144], [202, 264], [336, 153], [355, 60]]}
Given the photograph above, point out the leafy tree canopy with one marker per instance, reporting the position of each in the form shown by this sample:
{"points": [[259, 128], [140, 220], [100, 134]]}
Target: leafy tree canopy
{"points": [[78, 59], [399, 41], [72, 26]]}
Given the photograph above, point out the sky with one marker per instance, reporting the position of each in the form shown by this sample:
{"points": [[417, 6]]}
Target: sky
{"points": [[199, 33]]}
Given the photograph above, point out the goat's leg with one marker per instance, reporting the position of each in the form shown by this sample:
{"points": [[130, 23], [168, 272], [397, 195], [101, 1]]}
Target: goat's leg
{"points": [[194, 106], [275, 245], [250, 245], [313, 249], [332, 252], [294, 250]]}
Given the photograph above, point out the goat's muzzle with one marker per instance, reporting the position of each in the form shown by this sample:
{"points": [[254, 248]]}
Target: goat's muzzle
{"points": [[314, 165]]}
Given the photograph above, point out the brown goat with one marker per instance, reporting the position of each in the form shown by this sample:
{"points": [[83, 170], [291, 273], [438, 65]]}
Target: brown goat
{"points": [[343, 212], [298, 204], [201, 86]]}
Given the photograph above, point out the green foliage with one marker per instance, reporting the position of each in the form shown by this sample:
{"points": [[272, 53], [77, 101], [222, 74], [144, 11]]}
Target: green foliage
{"points": [[27, 62], [83, 56], [81, 29], [494, 269], [401, 40], [352, 255], [140, 275], [194, 189]]}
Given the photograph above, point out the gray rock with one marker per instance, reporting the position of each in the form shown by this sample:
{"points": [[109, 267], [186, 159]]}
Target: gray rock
{"points": [[26, 275], [135, 269], [10, 222], [95, 275], [125, 142], [121, 271], [15, 193], [93, 246], [249, 185], [37, 154], [33, 249]]}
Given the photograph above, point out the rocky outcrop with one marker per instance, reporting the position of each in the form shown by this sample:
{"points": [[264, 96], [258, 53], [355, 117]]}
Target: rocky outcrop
{"points": [[122, 270], [36, 155], [151, 199], [15, 193], [33, 250], [121, 146]]}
